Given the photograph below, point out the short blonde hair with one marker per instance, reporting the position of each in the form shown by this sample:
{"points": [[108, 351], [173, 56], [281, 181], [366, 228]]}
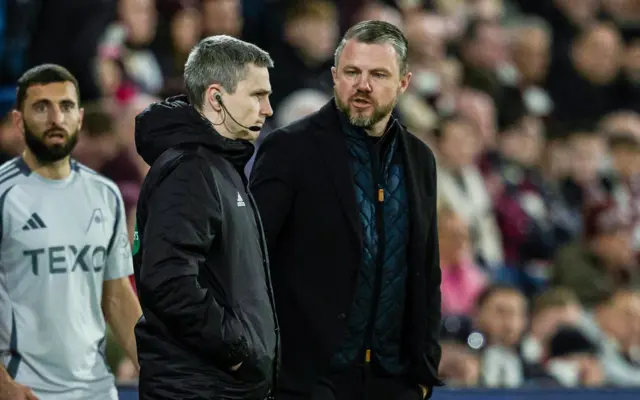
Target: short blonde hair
{"points": [[554, 297], [318, 9]]}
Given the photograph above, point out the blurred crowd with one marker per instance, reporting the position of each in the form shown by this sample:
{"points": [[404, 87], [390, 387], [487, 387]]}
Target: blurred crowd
{"points": [[533, 111]]}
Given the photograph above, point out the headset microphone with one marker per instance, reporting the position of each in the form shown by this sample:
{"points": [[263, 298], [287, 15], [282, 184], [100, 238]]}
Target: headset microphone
{"points": [[254, 128]]}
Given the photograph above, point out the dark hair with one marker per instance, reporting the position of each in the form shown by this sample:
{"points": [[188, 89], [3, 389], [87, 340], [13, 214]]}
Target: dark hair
{"points": [[514, 111], [568, 340], [473, 28], [494, 289], [377, 32], [554, 297], [456, 118], [43, 75], [220, 59], [623, 140], [320, 9], [585, 133]]}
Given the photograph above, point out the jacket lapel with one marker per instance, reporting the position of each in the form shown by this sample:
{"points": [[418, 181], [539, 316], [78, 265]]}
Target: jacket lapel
{"points": [[333, 149]]}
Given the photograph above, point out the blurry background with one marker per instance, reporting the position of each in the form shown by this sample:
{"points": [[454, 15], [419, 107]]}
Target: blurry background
{"points": [[531, 106]]}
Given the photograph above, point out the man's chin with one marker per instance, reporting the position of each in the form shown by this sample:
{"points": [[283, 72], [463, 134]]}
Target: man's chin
{"points": [[52, 155], [362, 121], [250, 136], [51, 158]]}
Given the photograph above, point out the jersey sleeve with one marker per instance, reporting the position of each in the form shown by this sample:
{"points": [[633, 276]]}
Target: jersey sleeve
{"points": [[119, 257]]}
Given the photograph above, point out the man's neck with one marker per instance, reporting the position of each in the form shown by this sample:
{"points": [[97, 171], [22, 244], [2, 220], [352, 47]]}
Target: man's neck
{"points": [[57, 170]]}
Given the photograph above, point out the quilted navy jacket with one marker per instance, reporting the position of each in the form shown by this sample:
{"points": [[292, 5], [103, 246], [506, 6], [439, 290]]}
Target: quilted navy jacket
{"points": [[376, 315]]}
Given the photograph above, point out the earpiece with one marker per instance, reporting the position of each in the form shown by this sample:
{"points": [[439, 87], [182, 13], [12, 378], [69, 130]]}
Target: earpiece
{"points": [[218, 98]]}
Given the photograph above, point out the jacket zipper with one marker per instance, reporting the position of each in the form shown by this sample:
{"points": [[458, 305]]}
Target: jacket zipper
{"points": [[374, 151]]}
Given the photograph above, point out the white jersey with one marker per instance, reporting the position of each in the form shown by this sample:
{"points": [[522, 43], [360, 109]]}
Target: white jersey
{"points": [[59, 241]]}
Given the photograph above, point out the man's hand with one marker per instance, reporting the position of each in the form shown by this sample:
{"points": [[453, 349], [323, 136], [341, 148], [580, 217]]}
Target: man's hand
{"points": [[15, 391], [236, 367]]}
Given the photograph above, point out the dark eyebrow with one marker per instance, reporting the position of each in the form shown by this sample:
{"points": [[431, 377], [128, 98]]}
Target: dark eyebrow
{"points": [[68, 102], [381, 70], [375, 70], [41, 101], [261, 92], [48, 101]]}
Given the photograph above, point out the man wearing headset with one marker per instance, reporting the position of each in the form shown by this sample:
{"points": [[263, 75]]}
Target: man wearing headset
{"points": [[208, 328]]}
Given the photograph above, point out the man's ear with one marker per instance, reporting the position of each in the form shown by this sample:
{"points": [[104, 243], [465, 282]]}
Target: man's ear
{"points": [[213, 97], [81, 118], [404, 82], [18, 120]]}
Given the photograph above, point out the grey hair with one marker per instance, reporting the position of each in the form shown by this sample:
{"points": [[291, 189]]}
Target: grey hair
{"points": [[220, 59], [377, 32]]}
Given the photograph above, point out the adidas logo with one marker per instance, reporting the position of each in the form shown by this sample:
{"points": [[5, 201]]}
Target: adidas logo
{"points": [[240, 201], [35, 222]]}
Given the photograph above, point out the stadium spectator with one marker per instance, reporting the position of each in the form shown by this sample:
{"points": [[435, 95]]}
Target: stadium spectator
{"points": [[572, 362], [128, 41], [480, 108], [11, 142], [614, 324], [587, 150], [460, 365], [595, 265], [502, 319], [310, 33], [554, 308], [487, 60], [462, 186], [222, 17], [583, 80], [462, 279]]}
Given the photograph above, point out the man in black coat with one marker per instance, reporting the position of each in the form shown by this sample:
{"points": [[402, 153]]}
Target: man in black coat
{"points": [[348, 200], [208, 329]]}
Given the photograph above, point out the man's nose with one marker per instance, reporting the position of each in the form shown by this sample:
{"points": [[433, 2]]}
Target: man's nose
{"points": [[265, 108], [362, 83], [56, 116]]}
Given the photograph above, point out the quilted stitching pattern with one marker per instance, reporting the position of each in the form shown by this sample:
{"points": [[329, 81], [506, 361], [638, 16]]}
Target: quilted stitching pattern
{"points": [[388, 321], [390, 312]]}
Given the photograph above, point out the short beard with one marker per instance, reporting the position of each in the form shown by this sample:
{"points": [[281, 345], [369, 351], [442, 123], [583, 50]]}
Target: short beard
{"points": [[45, 154], [362, 121]]}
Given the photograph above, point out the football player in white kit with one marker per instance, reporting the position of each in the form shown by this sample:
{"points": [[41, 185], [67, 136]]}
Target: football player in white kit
{"points": [[65, 256]]}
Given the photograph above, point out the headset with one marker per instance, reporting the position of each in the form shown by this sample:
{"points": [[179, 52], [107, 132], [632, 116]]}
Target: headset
{"points": [[218, 97]]}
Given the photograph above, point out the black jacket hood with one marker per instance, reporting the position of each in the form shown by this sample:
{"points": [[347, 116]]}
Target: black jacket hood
{"points": [[176, 123]]}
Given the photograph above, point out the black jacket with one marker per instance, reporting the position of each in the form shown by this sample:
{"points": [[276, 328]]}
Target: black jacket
{"points": [[304, 189], [201, 270]]}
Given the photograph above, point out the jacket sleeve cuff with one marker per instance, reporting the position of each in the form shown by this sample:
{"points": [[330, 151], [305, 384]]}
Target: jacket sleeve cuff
{"points": [[427, 380]]}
